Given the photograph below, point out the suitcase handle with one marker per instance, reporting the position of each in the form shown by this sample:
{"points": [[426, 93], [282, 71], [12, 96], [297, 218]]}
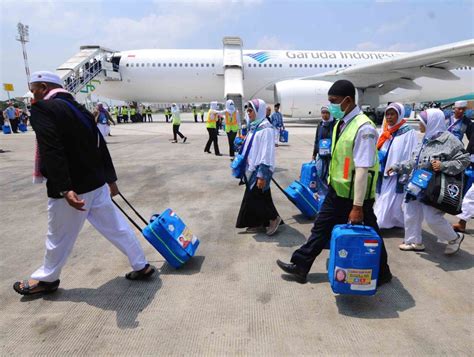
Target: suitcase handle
{"points": [[133, 209]]}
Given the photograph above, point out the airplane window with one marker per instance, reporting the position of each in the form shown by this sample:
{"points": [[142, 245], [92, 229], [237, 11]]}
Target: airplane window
{"points": [[176, 65], [213, 65], [250, 65], [202, 64], [265, 65], [197, 64], [310, 65], [291, 65], [330, 66], [207, 64], [148, 65], [269, 65], [305, 66], [143, 64], [170, 64], [325, 66], [126, 65], [190, 65], [181, 65], [301, 65], [185, 65], [153, 64], [158, 64], [280, 65], [320, 65]]}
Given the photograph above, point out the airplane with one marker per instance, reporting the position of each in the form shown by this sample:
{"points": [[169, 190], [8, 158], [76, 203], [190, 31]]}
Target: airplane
{"points": [[298, 80]]}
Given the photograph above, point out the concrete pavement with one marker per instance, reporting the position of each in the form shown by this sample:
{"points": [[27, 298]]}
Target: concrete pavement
{"points": [[231, 299]]}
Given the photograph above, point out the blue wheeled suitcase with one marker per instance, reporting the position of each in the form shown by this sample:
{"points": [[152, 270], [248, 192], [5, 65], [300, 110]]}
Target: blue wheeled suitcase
{"points": [[302, 197], [469, 179], [168, 234], [354, 259], [22, 127], [309, 175], [283, 136], [6, 129]]}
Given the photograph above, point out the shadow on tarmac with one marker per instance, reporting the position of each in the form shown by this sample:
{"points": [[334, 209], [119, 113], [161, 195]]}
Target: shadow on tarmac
{"points": [[286, 236], [390, 300], [127, 298], [192, 266]]}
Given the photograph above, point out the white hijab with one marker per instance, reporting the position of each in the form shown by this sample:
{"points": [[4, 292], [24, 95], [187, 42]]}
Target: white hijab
{"points": [[400, 109], [174, 108], [229, 106], [213, 106], [434, 121], [259, 107]]}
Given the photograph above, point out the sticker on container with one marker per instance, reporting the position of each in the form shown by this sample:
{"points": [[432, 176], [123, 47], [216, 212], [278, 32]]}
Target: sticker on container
{"points": [[359, 276], [186, 238], [371, 243], [343, 253]]}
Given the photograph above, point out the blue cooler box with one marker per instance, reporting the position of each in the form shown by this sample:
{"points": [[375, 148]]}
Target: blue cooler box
{"points": [[469, 179], [22, 127], [304, 199], [170, 236], [308, 176], [6, 129], [283, 136], [354, 260]]}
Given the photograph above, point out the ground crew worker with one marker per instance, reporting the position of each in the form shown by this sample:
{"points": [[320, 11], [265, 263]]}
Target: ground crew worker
{"points": [[125, 113], [195, 114], [232, 120], [81, 179], [148, 114], [133, 114], [211, 125], [115, 114], [201, 112], [352, 176], [176, 123], [167, 114]]}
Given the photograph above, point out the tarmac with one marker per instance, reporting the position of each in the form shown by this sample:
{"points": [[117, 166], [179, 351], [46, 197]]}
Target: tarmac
{"points": [[231, 298]]}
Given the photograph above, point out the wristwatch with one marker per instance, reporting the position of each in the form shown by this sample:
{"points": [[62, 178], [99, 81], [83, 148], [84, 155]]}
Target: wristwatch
{"points": [[63, 193]]}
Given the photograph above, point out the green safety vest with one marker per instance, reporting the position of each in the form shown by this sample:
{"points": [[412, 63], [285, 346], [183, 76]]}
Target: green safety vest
{"points": [[231, 122], [194, 111], [342, 168], [115, 111], [176, 119], [124, 110], [148, 111], [133, 111], [211, 122]]}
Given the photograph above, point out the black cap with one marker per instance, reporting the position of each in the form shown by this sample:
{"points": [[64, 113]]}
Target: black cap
{"points": [[342, 88]]}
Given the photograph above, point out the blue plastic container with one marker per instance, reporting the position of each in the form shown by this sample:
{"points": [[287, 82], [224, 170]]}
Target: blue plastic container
{"points": [[172, 238], [6, 129], [469, 179], [283, 136], [354, 260], [22, 127], [304, 199], [309, 175]]}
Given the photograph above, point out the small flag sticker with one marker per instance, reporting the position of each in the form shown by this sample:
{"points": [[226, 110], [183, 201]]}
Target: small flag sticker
{"points": [[371, 243]]}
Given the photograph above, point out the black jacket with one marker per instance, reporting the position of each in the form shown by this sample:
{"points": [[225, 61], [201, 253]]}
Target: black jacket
{"points": [[73, 156]]}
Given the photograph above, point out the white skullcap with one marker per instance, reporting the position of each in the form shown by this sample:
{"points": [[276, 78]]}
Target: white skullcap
{"points": [[460, 104], [46, 76]]}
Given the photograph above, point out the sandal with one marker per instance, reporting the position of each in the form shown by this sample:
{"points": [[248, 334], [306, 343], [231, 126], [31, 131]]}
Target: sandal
{"points": [[41, 287], [142, 274]]}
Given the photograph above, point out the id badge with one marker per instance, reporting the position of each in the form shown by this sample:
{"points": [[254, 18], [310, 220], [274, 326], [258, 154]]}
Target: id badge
{"points": [[419, 181], [325, 147]]}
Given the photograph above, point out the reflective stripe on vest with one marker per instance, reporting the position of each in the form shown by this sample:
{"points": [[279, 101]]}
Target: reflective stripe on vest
{"points": [[176, 119], [342, 168], [211, 123], [231, 122]]}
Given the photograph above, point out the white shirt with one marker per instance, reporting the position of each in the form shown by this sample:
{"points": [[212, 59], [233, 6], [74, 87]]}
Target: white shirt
{"points": [[365, 141]]}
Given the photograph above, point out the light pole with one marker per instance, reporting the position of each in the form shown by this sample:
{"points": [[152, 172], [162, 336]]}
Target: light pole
{"points": [[23, 37]]}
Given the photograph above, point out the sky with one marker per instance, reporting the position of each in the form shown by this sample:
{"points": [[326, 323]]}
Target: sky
{"points": [[59, 28]]}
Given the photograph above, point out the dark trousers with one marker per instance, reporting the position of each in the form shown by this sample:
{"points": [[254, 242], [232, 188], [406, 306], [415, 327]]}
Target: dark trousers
{"points": [[231, 137], [195, 118], [212, 139], [167, 117], [176, 131], [150, 118], [335, 210], [14, 124], [202, 118]]}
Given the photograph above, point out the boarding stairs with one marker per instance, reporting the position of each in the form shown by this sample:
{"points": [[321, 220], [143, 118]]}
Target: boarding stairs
{"points": [[233, 71], [83, 72]]}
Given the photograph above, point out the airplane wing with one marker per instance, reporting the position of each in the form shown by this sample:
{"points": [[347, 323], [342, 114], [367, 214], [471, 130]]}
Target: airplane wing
{"points": [[399, 72]]}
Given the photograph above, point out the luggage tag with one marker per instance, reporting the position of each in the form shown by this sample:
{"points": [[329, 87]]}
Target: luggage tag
{"points": [[325, 147], [419, 181]]}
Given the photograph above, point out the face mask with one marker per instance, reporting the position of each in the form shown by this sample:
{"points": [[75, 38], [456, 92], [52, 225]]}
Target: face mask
{"points": [[336, 111]]}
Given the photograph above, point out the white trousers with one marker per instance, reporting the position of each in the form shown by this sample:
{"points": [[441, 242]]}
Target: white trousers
{"points": [[277, 135], [467, 205], [415, 212], [65, 223], [104, 129]]}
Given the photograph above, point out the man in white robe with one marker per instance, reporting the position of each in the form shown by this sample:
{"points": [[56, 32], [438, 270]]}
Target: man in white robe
{"points": [[396, 143]]}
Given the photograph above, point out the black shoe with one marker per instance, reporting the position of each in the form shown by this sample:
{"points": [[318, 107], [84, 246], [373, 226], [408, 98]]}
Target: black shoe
{"points": [[184, 140], [384, 279], [207, 151], [218, 154], [293, 270]]}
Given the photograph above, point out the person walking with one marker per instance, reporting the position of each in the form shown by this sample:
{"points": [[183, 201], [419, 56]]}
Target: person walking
{"points": [[322, 154], [10, 116], [211, 126], [73, 156], [257, 211], [277, 122], [352, 175], [176, 120]]}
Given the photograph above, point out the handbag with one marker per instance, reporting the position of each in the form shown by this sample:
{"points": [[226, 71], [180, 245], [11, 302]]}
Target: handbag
{"points": [[445, 192], [239, 163]]}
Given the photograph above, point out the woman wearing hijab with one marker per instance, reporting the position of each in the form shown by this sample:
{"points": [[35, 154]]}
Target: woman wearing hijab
{"points": [[257, 210], [103, 120], [211, 125], [322, 155], [176, 121], [439, 151], [395, 144]]}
